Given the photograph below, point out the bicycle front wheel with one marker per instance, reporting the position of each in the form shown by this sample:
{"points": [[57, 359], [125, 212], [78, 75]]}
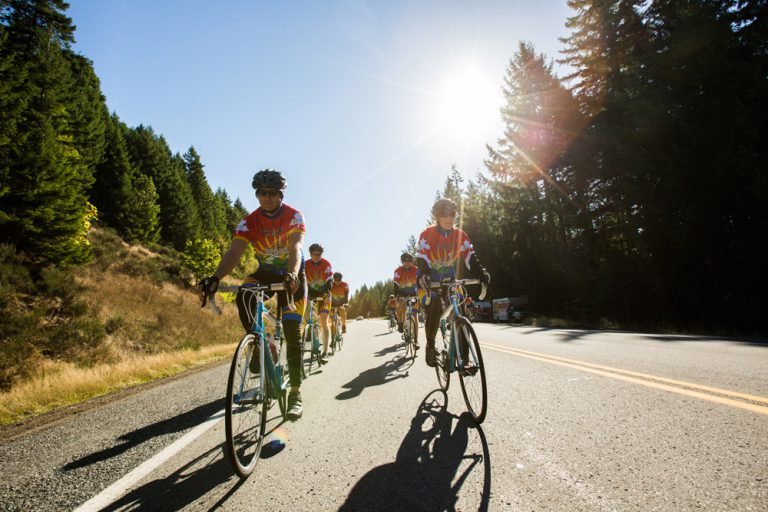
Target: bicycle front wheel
{"points": [[442, 365], [307, 351], [245, 410], [391, 324], [472, 371]]}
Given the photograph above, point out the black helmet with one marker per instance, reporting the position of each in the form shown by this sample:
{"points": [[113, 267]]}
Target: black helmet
{"points": [[316, 248], [269, 179], [337, 276], [444, 206], [406, 256]]}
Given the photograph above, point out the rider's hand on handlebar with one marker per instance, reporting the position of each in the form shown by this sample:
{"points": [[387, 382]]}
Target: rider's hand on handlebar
{"points": [[207, 287], [485, 277], [291, 281]]}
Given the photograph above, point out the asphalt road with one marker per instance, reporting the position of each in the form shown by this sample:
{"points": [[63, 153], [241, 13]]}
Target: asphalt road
{"points": [[577, 420]]}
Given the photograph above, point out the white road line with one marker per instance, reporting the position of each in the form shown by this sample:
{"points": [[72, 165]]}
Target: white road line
{"points": [[117, 489]]}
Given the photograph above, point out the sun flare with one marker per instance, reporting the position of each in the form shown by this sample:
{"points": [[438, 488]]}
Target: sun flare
{"points": [[468, 103]]}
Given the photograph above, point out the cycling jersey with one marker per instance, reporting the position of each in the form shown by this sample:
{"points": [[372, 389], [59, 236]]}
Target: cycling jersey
{"points": [[405, 279], [339, 293], [443, 250], [268, 234], [317, 275]]}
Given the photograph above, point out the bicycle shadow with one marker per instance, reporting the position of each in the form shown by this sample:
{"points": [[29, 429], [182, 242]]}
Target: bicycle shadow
{"points": [[184, 486], [388, 350], [387, 372], [181, 422], [436, 458]]}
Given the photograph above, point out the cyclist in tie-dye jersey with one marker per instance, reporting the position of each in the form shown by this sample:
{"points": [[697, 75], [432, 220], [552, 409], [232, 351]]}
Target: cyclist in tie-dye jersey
{"points": [[319, 277], [444, 251], [405, 286], [340, 298], [276, 232]]}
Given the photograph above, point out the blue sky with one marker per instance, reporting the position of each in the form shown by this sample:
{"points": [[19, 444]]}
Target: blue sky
{"points": [[363, 105]]}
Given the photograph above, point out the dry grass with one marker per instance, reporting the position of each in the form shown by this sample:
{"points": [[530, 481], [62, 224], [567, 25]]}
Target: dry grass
{"points": [[153, 331], [59, 384]]}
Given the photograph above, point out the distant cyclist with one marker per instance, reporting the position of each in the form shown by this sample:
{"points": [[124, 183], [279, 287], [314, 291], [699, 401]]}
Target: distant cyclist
{"points": [[405, 285], [276, 232], [340, 298], [391, 305], [444, 251], [319, 277]]}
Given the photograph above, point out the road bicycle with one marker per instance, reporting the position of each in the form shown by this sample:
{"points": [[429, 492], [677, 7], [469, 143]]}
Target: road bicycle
{"points": [[458, 349], [410, 328], [310, 340], [257, 377], [338, 336], [392, 321]]}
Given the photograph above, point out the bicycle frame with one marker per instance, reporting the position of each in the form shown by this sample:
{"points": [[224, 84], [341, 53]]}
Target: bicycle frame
{"points": [[450, 314]]}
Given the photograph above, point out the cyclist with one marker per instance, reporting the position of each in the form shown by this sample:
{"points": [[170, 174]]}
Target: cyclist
{"points": [[319, 277], [340, 298], [391, 305], [405, 286], [444, 251], [276, 232]]}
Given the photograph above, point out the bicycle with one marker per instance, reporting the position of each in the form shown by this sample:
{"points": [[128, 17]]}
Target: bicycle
{"points": [[410, 328], [338, 337], [254, 385], [459, 350], [310, 341], [392, 321]]}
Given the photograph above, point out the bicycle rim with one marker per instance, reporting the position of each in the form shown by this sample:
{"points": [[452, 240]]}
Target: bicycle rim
{"points": [[472, 374], [307, 351], [245, 411], [441, 368]]}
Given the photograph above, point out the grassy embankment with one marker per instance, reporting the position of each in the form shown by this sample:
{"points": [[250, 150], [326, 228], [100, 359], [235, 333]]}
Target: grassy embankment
{"points": [[128, 318]]}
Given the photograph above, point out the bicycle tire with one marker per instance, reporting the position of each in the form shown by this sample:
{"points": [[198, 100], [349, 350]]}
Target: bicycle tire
{"points": [[282, 399], [407, 338], [391, 324], [441, 366], [245, 415], [472, 376], [307, 353], [415, 334]]}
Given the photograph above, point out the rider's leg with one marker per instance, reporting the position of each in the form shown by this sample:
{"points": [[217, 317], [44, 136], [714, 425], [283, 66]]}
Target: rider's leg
{"points": [[400, 312], [324, 329], [432, 313], [343, 315]]}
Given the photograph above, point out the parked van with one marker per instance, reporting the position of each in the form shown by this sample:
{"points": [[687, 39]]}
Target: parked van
{"points": [[509, 309]]}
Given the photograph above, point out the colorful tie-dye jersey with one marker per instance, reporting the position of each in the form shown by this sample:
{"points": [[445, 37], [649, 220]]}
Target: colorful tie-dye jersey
{"points": [[317, 273], [269, 236], [405, 278], [443, 251], [339, 292]]}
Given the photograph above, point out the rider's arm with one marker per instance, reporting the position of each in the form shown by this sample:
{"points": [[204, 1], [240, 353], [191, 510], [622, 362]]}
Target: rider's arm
{"points": [[231, 258], [478, 269], [295, 241], [423, 266], [397, 288]]}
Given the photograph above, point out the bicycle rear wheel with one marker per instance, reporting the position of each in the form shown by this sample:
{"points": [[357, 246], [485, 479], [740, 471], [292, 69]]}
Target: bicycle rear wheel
{"points": [[472, 373], [442, 366], [245, 409]]}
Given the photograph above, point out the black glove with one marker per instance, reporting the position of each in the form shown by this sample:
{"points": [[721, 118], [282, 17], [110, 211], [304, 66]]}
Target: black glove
{"points": [[289, 279], [485, 277], [209, 285], [425, 281]]}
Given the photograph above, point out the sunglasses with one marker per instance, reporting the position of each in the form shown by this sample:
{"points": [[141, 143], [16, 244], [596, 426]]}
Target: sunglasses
{"points": [[268, 193]]}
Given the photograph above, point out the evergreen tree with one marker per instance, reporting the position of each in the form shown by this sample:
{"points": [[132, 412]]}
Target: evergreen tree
{"points": [[207, 207], [44, 208]]}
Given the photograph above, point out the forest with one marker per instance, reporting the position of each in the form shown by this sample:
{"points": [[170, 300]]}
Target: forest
{"points": [[632, 189]]}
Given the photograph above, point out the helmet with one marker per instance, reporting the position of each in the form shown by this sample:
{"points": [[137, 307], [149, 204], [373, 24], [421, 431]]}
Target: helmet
{"points": [[391, 296], [406, 256], [268, 179], [444, 206], [316, 248], [337, 276]]}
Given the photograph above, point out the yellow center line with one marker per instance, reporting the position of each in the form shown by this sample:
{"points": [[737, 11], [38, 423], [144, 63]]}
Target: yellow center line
{"points": [[663, 383]]}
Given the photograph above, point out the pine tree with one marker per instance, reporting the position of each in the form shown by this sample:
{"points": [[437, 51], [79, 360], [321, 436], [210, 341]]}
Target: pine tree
{"points": [[44, 209], [201, 193]]}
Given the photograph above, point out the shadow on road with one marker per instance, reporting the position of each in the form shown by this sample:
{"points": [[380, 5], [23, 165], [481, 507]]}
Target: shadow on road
{"points": [[388, 350], [436, 458], [183, 487], [184, 421], [396, 368]]}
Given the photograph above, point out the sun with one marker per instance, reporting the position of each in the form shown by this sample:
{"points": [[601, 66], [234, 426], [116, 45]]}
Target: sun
{"points": [[468, 103]]}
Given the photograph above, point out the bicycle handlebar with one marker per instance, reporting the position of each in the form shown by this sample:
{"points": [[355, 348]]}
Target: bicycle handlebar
{"points": [[462, 282], [275, 287]]}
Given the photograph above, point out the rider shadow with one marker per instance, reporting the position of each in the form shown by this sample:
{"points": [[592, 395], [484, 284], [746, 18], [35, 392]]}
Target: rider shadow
{"points": [[179, 423], [383, 374], [432, 464], [186, 486], [388, 350]]}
